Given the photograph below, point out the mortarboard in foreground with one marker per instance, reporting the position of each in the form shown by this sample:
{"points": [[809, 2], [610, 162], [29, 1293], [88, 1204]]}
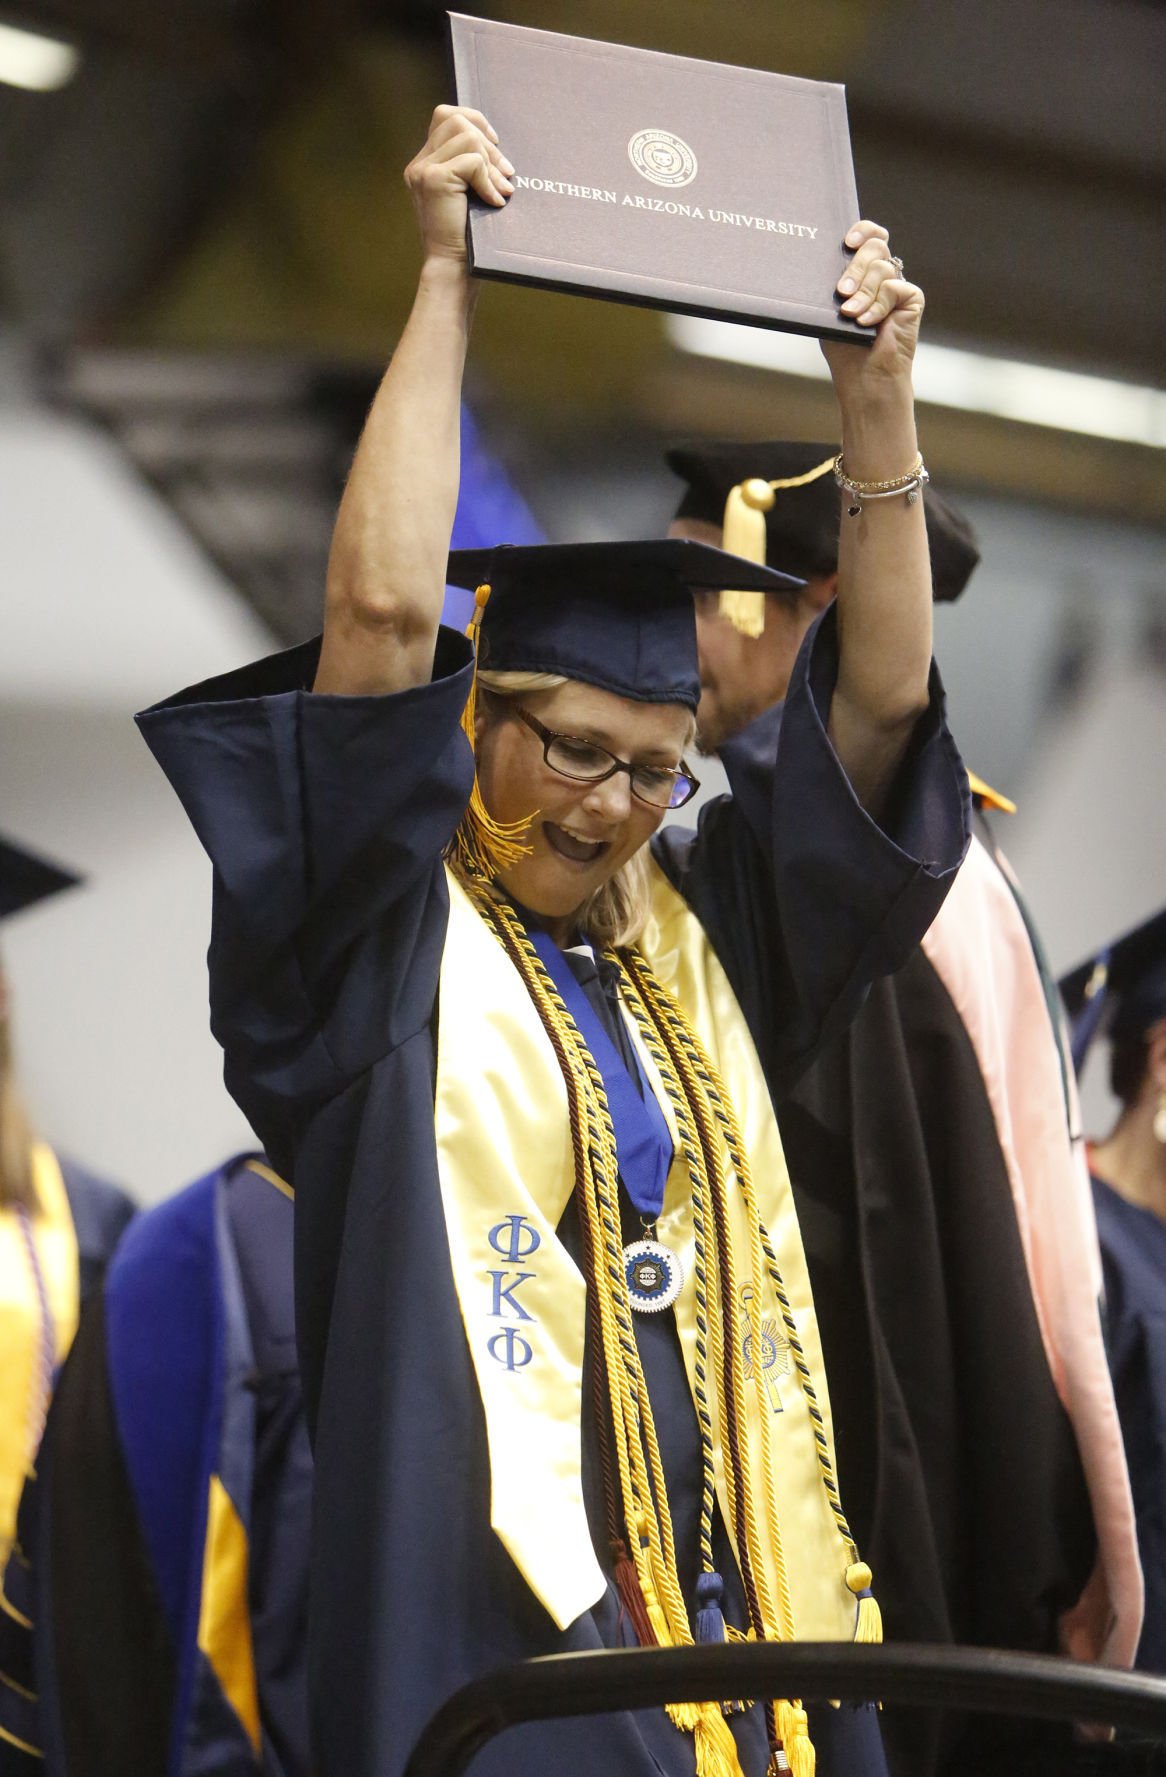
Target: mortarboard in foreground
{"points": [[615, 615], [26, 878]]}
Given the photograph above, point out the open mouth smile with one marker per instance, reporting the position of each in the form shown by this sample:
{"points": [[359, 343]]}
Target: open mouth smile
{"points": [[570, 846]]}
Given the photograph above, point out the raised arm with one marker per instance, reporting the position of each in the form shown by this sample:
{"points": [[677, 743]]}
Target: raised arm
{"points": [[386, 571], [884, 577]]}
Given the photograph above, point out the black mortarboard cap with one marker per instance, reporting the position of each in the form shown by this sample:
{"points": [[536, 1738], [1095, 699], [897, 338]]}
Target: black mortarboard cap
{"points": [[801, 527], [1122, 989], [26, 879], [615, 615]]}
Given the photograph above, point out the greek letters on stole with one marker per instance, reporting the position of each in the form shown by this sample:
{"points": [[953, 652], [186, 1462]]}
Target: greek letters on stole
{"points": [[506, 1169]]}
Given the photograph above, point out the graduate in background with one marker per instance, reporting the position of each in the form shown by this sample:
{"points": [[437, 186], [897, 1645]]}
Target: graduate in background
{"points": [[58, 1228], [512, 1454], [1121, 993], [159, 1608], [930, 1158]]}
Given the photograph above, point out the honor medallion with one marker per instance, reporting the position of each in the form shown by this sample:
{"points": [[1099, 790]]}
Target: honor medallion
{"points": [[654, 1276]]}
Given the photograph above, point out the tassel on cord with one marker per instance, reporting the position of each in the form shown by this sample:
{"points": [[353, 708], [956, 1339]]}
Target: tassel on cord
{"points": [[481, 844], [655, 1614], [796, 1743], [658, 1621], [713, 1742], [710, 1618], [744, 534], [869, 1621], [627, 1585]]}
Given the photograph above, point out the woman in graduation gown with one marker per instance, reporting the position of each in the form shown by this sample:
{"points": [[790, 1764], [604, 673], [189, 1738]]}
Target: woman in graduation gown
{"points": [[1123, 993], [58, 1228], [480, 1026]]}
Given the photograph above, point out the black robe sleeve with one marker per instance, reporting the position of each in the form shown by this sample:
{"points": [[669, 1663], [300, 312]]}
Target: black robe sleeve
{"points": [[805, 897], [325, 819]]}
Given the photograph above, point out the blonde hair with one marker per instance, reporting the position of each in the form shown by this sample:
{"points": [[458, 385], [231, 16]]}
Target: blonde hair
{"points": [[616, 914], [16, 1183]]}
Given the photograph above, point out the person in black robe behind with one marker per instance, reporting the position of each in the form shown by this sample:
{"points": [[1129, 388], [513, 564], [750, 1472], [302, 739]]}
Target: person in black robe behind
{"points": [[904, 1199], [328, 814]]}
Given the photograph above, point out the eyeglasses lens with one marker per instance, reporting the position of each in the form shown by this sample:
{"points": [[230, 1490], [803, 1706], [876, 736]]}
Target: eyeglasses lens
{"points": [[588, 764]]}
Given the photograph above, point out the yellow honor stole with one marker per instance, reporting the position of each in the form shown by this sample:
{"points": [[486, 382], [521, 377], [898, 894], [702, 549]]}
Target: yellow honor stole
{"points": [[520, 1116], [39, 1289]]}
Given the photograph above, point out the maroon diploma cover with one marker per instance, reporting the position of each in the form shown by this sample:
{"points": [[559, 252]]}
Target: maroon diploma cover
{"points": [[662, 180]]}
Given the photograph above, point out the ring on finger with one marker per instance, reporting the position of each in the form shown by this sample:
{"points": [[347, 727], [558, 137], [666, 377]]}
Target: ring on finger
{"points": [[898, 265]]}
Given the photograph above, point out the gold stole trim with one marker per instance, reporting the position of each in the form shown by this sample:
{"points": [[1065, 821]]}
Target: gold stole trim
{"points": [[224, 1618], [506, 1170], [20, 1319]]}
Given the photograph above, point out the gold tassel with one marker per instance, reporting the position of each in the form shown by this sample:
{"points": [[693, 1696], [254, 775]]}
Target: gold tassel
{"points": [[744, 534], [482, 845], [794, 1733], [869, 1624], [716, 1749], [870, 1620]]}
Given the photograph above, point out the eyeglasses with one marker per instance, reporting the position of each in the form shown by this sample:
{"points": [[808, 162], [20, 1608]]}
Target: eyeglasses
{"points": [[660, 786]]}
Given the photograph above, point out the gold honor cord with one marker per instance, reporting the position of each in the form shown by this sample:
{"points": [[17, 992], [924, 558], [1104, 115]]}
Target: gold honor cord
{"points": [[641, 1475], [692, 1086], [708, 1087], [713, 1149]]}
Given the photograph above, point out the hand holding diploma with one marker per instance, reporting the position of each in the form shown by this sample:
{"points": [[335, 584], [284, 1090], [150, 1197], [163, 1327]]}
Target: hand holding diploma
{"points": [[460, 155], [876, 295]]}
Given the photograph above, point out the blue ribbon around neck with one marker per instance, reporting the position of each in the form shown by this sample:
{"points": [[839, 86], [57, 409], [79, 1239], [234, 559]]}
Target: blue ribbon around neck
{"points": [[642, 1141]]}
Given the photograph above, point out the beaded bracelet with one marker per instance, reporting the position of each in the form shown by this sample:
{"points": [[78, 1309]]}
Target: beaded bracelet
{"points": [[911, 485]]}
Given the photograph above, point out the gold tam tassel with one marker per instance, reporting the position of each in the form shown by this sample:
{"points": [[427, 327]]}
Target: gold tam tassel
{"points": [[744, 534], [482, 845]]}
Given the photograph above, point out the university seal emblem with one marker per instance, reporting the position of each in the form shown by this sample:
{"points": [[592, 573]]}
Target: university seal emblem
{"points": [[662, 157]]}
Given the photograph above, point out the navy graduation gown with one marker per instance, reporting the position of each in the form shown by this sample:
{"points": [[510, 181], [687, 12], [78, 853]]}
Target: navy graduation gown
{"points": [[326, 819], [185, 1360], [1133, 1253]]}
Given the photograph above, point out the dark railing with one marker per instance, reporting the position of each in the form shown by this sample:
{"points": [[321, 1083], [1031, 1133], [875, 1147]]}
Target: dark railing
{"points": [[976, 1679]]}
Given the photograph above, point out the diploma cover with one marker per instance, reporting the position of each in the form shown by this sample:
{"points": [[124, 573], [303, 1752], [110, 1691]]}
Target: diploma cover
{"points": [[661, 180]]}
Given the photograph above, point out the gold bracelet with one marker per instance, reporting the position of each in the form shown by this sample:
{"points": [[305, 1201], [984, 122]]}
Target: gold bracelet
{"points": [[895, 485]]}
